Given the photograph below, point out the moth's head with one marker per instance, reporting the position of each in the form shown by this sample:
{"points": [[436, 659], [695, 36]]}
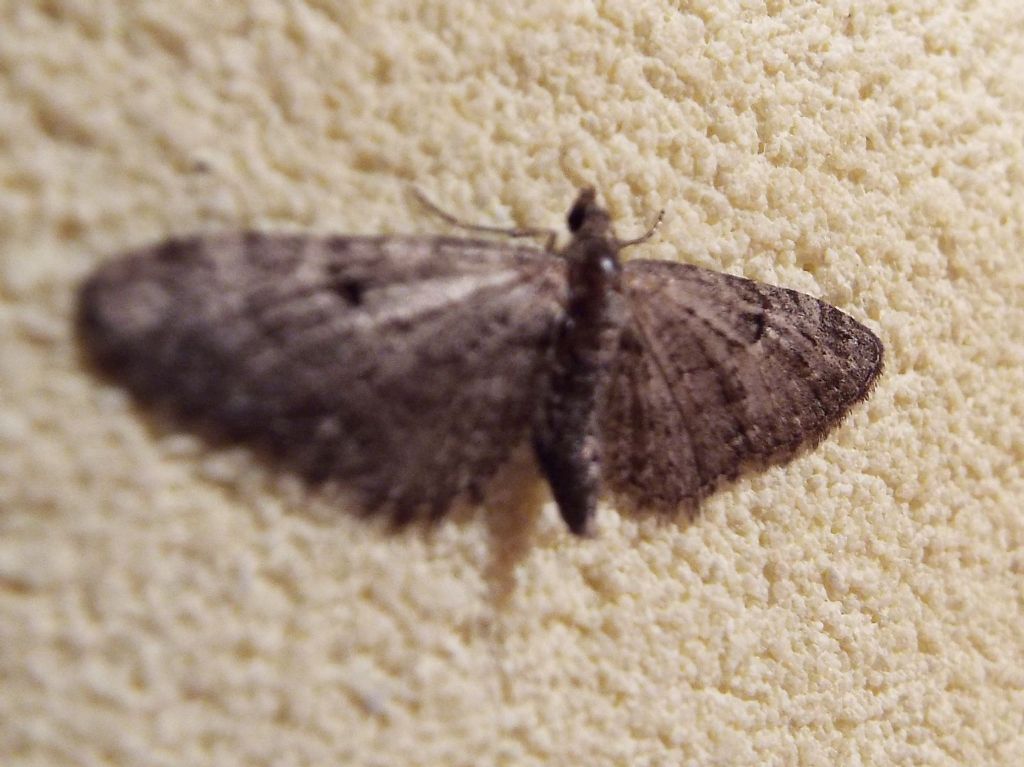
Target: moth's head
{"points": [[588, 219]]}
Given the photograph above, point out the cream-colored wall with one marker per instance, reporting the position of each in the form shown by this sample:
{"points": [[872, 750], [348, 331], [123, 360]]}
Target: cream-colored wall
{"points": [[165, 603]]}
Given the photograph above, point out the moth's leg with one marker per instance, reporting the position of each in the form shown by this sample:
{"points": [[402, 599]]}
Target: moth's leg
{"points": [[646, 235], [550, 235]]}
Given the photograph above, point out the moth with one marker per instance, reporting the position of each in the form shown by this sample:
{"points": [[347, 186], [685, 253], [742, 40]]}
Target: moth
{"points": [[408, 368]]}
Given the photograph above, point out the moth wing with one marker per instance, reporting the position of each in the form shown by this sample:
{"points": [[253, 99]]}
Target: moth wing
{"points": [[406, 368], [715, 371]]}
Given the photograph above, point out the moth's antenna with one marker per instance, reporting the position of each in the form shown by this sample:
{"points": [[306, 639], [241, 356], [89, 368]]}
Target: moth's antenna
{"points": [[646, 235], [508, 231]]}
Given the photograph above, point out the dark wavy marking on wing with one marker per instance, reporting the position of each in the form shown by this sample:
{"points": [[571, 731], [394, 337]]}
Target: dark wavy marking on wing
{"points": [[407, 368], [715, 371]]}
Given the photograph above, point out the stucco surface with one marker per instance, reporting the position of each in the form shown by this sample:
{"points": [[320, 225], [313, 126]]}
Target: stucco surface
{"points": [[163, 602]]}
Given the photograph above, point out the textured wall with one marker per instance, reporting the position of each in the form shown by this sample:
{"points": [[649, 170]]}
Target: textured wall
{"points": [[165, 603]]}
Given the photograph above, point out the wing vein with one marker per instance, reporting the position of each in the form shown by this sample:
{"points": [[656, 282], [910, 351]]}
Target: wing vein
{"points": [[662, 370]]}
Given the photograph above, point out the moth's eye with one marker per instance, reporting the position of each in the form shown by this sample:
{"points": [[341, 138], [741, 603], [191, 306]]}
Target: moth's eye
{"points": [[576, 216]]}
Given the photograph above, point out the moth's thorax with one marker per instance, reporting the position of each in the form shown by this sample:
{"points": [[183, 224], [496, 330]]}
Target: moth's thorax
{"points": [[594, 276], [596, 309], [593, 253]]}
